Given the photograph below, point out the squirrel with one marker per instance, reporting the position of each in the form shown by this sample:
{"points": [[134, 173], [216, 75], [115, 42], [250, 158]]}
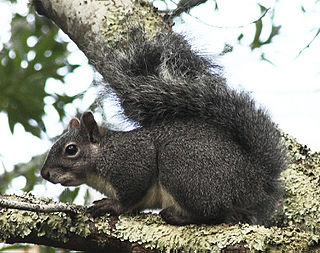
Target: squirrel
{"points": [[203, 153]]}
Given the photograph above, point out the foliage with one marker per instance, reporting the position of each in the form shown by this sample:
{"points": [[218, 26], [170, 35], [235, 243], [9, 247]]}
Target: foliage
{"points": [[32, 55], [27, 170], [256, 43], [68, 195]]}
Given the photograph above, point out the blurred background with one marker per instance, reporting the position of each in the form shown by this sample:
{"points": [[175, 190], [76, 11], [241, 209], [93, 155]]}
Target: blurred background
{"points": [[269, 48]]}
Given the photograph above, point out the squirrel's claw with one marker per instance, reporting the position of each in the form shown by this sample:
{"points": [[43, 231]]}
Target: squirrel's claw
{"points": [[103, 206]]}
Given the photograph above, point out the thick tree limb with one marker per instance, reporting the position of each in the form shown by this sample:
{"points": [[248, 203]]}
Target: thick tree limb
{"points": [[70, 230], [82, 19], [297, 222]]}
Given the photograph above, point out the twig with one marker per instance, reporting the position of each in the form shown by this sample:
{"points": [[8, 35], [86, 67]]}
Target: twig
{"points": [[185, 6], [44, 208], [215, 26], [309, 44], [232, 27]]}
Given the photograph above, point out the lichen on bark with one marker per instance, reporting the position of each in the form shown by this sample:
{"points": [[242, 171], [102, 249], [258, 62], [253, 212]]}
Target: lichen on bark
{"points": [[296, 230], [302, 192], [111, 19]]}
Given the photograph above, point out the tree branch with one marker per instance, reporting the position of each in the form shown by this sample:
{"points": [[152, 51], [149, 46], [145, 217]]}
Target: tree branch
{"points": [[40, 221], [233, 27], [297, 222], [45, 208]]}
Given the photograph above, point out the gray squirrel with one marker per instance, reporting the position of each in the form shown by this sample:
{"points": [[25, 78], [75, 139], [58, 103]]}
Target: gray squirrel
{"points": [[204, 153]]}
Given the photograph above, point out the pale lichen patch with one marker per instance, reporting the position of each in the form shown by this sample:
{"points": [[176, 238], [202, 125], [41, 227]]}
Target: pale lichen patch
{"points": [[148, 229], [56, 226], [138, 14], [302, 200]]}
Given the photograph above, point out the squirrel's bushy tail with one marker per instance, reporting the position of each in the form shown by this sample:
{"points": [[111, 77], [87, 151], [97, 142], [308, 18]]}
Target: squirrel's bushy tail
{"points": [[162, 79]]}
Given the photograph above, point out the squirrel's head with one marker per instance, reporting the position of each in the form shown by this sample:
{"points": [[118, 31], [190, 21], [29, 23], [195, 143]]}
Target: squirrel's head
{"points": [[74, 153]]}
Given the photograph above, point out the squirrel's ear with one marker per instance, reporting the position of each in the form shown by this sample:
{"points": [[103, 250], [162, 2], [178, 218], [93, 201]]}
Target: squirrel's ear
{"points": [[74, 123], [90, 126]]}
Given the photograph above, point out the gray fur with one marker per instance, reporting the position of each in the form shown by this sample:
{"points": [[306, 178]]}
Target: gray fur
{"points": [[204, 153]]}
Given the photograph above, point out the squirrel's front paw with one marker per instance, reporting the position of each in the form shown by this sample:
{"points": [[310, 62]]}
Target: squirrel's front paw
{"points": [[103, 206]]}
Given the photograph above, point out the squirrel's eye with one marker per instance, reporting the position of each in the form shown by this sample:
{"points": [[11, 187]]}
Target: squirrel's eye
{"points": [[71, 149]]}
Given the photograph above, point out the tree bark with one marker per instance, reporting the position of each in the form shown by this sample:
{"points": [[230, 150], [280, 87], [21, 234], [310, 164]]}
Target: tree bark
{"points": [[63, 229], [85, 19]]}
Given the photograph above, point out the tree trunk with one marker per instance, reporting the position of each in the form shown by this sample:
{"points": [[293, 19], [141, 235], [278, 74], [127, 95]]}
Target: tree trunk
{"points": [[83, 20]]}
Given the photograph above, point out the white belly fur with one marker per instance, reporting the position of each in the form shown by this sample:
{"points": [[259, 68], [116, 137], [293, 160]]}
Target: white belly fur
{"points": [[156, 197]]}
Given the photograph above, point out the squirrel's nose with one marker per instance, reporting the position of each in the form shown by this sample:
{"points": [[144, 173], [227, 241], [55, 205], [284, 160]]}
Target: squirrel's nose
{"points": [[45, 173]]}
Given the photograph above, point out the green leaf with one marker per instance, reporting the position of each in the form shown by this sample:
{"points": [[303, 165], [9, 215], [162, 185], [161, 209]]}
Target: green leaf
{"points": [[265, 59], [262, 8], [240, 37], [69, 195], [28, 170], [274, 32], [216, 6], [256, 41], [23, 77], [61, 101], [87, 197]]}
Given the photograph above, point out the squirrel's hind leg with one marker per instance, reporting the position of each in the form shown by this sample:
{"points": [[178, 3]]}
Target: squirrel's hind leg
{"points": [[173, 217]]}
